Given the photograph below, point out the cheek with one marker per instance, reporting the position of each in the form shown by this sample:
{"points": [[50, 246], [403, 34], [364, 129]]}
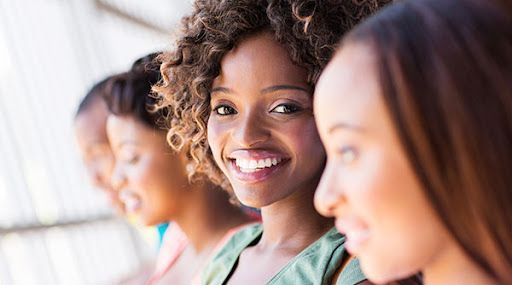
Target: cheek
{"points": [[303, 137], [403, 230], [143, 175], [93, 168], [106, 165], [216, 133], [383, 188], [101, 169]]}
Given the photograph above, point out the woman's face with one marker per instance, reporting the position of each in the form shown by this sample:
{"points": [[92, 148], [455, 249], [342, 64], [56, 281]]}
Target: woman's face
{"points": [[261, 129], [149, 177], [368, 184], [91, 137]]}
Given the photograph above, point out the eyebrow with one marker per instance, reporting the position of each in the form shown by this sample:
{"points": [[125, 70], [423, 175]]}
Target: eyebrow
{"points": [[344, 126], [221, 89], [264, 90], [283, 87]]}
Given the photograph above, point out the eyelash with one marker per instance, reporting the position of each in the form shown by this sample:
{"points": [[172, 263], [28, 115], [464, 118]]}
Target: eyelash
{"points": [[132, 159], [228, 110], [289, 108], [348, 154]]}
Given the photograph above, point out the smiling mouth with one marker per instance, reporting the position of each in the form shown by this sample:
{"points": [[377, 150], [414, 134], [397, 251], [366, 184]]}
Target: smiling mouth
{"points": [[255, 170], [252, 165], [131, 201]]}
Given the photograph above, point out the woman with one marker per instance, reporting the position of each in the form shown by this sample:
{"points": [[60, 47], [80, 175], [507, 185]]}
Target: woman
{"points": [[415, 111], [240, 86], [91, 136], [153, 183]]}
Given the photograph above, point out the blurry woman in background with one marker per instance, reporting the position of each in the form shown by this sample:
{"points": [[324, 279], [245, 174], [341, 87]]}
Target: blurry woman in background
{"points": [[153, 182], [415, 111], [91, 136]]}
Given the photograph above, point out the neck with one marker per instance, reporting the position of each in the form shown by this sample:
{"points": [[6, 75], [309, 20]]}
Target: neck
{"points": [[453, 266], [293, 222], [207, 216]]}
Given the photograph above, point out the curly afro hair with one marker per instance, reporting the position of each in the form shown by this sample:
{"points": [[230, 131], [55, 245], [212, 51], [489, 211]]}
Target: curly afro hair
{"points": [[308, 29]]}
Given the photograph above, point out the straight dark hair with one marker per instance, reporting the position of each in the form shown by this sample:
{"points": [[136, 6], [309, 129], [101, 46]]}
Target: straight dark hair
{"points": [[445, 68]]}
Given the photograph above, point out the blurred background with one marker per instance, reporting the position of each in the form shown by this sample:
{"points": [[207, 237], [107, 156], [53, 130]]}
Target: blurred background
{"points": [[54, 228]]}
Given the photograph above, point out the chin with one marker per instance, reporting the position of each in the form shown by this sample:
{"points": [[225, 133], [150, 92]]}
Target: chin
{"points": [[251, 201], [149, 221], [253, 198], [384, 272]]}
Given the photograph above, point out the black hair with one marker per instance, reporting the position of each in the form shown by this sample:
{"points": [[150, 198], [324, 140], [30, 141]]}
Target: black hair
{"points": [[129, 93]]}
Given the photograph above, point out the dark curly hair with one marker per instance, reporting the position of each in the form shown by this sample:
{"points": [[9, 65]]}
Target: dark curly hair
{"points": [[130, 93], [309, 30]]}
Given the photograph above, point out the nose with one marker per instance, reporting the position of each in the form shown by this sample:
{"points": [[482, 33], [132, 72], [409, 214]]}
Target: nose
{"points": [[328, 196], [251, 130]]}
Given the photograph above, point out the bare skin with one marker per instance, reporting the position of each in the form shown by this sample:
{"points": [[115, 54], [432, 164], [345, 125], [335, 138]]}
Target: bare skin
{"points": [[288, 228], [92, 141], [262, 108], [155, 180], [359, 185]]}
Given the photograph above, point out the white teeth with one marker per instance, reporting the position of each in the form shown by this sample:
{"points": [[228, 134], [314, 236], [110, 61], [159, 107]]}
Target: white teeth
{"points": [[251, 165], [248, 170]]}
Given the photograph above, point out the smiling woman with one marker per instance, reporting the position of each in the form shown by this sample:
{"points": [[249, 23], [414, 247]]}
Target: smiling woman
{"points": [[239, 86], [262, 129]]}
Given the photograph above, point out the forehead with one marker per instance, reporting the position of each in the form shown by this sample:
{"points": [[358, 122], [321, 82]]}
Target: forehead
{"points": [[123, 126], [90, 126], [348, 89], [129, 128], [259, 59]]}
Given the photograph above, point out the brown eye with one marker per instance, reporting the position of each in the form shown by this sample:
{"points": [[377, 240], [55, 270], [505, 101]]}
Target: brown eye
{"points": [[224, 110], [286, 109]]}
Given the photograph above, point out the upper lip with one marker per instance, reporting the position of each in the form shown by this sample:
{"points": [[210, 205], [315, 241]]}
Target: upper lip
{"points": [[346, 225]]}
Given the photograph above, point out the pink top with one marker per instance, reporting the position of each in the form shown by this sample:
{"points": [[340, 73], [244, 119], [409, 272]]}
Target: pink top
{"points": [[173, 244]]}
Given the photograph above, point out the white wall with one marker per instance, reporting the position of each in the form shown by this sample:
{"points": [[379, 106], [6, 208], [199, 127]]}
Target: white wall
{"points": [[51, 52]]}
